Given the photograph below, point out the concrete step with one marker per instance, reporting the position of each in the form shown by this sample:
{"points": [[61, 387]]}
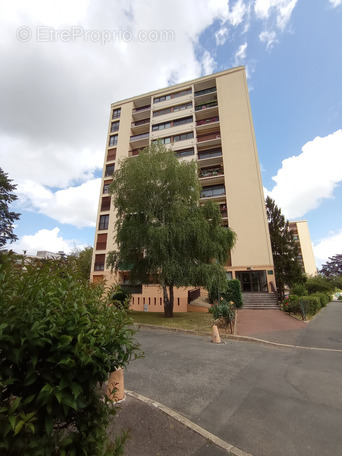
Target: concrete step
{"points": [[262, 301]]}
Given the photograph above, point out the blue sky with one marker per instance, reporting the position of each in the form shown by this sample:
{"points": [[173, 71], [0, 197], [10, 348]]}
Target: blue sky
{"points": [[63, 63]]}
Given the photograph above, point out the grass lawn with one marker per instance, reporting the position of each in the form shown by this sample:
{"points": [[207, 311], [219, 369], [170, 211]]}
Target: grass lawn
{"points": [[190, 320]]}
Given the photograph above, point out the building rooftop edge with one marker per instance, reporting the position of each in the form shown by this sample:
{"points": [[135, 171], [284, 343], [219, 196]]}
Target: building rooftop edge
{"points": [[180, 84]]}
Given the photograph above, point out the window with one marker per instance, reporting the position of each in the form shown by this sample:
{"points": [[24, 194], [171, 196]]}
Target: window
{"points": [[182, 93], [183, 136], [104, 220], [163, 98], [163, 140], [213, 190], [115, 126], [185, 153], [101, 243], [161, 126], [182, 107], [116, 113], [105, 204], [183, 121], [105, 188], [113, 140], [109, 170], [161, 112], [99, 262]]}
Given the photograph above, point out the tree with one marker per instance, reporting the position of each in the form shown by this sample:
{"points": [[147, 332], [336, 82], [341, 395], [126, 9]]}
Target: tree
{"points": [[162, 233], [82, 261], [60, 337], [288, 270], [7, 217], [333, 267]]}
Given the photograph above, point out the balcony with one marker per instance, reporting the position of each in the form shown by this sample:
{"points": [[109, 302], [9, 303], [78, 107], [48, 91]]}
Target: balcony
{"points": [[205, 91], [142, 112], [209, 140], [140, 126], [211, 173], [224, 212], [140, 140], [214, 192]]}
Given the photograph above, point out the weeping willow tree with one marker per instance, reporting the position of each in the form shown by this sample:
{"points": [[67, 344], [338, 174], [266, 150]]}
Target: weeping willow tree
{"points": [[161, 230]]}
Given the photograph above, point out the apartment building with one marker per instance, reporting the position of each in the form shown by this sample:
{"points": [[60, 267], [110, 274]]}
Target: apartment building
{"points": [[208, 120], [300, 231]]}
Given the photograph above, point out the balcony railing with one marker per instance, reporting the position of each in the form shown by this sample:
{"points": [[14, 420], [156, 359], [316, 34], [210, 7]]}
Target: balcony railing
{"points": [[203, 92], [142, 108], [209, 104], [208, 137], [207, 121], [208, 172], [209, 192], [138, 137], [210, 154], [140, 122]]}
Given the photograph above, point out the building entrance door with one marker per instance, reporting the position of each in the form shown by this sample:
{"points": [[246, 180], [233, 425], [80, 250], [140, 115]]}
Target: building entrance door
{"points": [[252, 281]]}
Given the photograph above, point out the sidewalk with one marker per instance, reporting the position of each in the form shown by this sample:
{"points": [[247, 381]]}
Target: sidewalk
{"points": [[153, 431], [270, 325]]}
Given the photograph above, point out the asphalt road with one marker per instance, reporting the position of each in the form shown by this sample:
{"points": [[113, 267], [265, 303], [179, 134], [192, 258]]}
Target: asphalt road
{"points": [[267, 401]]}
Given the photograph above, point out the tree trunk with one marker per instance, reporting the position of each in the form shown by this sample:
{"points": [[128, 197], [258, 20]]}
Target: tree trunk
{"points": [[168, 302]]}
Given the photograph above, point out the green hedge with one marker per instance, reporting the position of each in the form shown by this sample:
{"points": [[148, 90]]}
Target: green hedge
{"points": [[293, 304], [234, 293], [323, 297], [59, 340]]}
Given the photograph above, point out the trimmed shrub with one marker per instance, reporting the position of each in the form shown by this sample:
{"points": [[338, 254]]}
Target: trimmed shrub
{"points": [[299, 290], [223, 310], [234, 293], [296, 304], [59, 339], [323, 297]]}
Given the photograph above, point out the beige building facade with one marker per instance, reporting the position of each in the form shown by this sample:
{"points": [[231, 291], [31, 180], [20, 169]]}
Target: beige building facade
{"points": [[208, 120], [300, 231]]}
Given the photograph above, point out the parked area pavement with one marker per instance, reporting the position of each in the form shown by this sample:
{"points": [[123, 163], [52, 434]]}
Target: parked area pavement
{"points": [[261, 400]]}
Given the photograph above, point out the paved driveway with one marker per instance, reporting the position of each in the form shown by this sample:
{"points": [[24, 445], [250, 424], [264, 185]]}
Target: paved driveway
{"points": [[267, 401]]}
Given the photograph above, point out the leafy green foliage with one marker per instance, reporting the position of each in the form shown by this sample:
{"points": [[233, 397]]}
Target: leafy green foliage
{"points": [[287, 269], [324, 298], [82, 261], [161, 231], [302, 305], [299, 290], [224, 309], [119, 297], [319, 283], [234, 293], [59, 339], [7, 217], [333, 267]]}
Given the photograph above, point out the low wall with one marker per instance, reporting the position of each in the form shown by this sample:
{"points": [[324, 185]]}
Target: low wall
{"points": [[151, 299]]}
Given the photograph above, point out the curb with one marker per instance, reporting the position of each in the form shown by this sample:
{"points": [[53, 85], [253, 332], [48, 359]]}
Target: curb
{"points": [[235, 337], [231, 450]]}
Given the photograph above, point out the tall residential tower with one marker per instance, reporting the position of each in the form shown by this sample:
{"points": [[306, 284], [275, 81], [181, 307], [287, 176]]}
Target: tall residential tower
{"points": [[209, 120]]}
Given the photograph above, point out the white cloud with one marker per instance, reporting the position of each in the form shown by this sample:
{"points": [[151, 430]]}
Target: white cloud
{"points": [[328, 247], [208, 63], [54, 111], [49, 240], [270, 38], [306, 179], [74, 205], [221, 36], [237, 14], [281, 10], [240, 55], [335, 3]]}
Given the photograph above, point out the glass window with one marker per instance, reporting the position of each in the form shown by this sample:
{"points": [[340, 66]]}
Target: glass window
{"points": [[182, 121], [104, 220], [106, 188], [115, 126], [161, 112], [185, 153], [113, 140], [109, 170], [161, 126], [116, 113], [183, 137]]}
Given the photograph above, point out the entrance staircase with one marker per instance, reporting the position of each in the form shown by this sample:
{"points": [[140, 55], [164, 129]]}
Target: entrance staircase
{"points": [[260, 301]]}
